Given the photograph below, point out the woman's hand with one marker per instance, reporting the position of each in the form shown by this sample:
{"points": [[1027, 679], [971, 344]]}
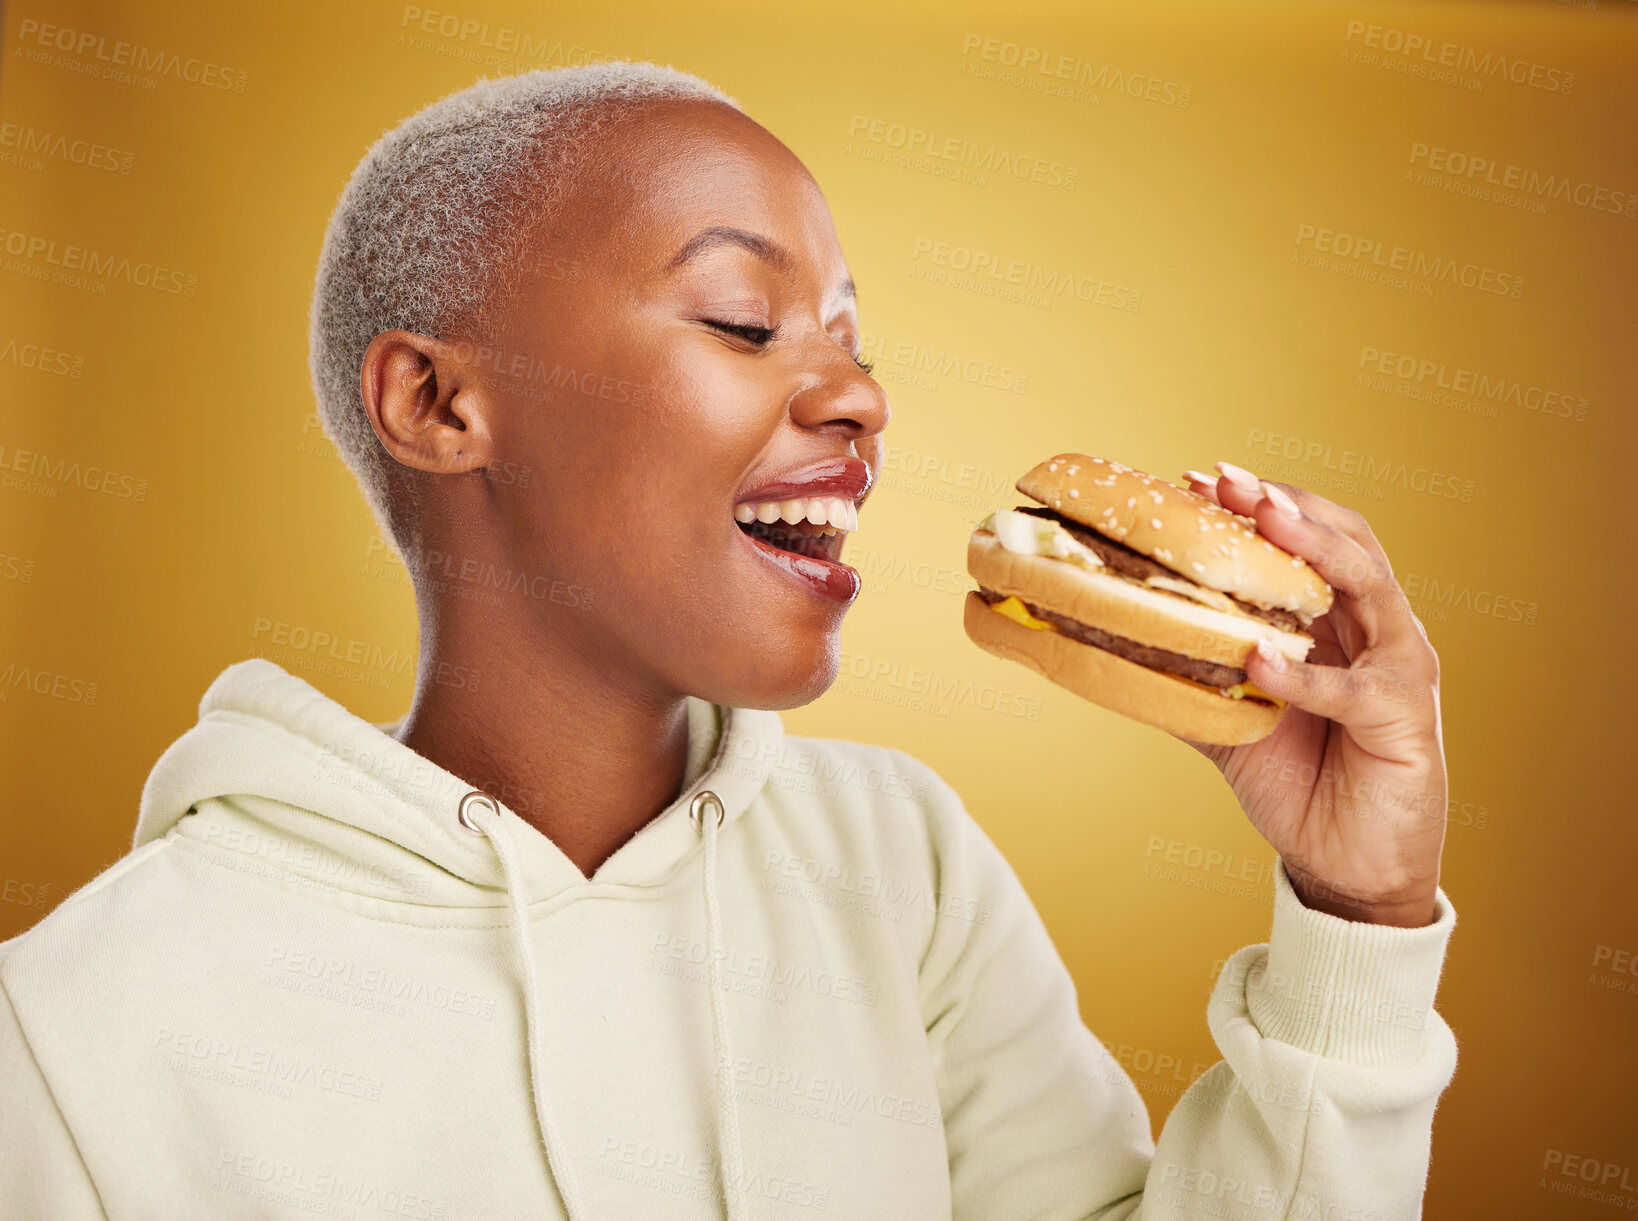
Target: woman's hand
{"points": [[1351, 788]]}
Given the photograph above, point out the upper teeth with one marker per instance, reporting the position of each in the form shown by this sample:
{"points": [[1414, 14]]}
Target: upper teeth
{"points": [[827, 511]]}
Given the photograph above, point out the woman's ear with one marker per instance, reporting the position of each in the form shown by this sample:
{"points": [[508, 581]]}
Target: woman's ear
{"points": [[426, 404]]}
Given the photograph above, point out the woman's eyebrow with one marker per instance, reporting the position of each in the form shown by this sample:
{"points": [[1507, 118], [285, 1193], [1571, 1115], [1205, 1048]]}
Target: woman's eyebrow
{"points": [[766, 249]]}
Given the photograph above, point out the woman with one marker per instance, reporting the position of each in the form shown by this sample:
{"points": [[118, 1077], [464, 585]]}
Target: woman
{"points": [[585, 935]]}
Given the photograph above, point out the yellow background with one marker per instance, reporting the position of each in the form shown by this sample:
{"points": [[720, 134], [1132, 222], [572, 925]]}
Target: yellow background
{"points": [[247, 515]]}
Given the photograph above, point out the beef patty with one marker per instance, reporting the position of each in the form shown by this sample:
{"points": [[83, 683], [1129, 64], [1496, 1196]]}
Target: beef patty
{"points": [[1135, 564], [1207, 672]]}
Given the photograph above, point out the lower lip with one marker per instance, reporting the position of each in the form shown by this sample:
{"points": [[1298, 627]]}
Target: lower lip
{"points": [[834, 582]]}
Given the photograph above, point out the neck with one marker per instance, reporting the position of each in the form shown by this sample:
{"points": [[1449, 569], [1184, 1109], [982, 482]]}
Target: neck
{"points": [[568, 744]]}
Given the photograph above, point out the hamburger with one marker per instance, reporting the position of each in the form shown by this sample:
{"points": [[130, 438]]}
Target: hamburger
{"points": [[1141, 596]]}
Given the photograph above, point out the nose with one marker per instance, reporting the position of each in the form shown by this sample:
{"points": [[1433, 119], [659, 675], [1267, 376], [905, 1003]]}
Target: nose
{"points": [[840, 398]]}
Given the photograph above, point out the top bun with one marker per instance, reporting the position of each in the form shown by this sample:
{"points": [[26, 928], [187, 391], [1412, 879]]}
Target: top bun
{"points": [[1193, 536]]}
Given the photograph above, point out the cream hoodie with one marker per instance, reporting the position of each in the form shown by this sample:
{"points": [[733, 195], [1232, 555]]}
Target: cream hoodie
{"points": [[309, 990]]}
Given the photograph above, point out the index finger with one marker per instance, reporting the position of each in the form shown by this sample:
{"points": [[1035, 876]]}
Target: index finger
{"points": [[1357, 569]]}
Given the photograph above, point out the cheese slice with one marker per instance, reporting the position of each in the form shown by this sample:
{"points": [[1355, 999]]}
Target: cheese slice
{"points": [[1015, 610]]}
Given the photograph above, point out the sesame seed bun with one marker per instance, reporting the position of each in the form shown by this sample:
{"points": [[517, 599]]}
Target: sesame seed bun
{"points": [[1193, 536]]}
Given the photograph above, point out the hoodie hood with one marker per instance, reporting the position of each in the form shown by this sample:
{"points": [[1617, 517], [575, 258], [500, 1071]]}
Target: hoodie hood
{"points": [[266, 734], [273, 745]]}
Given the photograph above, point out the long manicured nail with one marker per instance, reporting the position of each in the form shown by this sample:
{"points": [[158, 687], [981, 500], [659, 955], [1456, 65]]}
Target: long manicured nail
{"points": [[1282, 502], [1197, 477], [1239, 476], [1271, 655]]}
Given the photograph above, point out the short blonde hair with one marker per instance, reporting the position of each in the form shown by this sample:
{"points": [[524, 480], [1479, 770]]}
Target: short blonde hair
{"points": [[431, 225]]}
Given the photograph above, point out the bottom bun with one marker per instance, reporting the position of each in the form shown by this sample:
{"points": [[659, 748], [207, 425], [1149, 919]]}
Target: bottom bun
{"points": [[1173, 704]]}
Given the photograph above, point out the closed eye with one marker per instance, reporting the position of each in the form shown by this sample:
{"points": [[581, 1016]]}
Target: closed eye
{"points": [[759, 335]]}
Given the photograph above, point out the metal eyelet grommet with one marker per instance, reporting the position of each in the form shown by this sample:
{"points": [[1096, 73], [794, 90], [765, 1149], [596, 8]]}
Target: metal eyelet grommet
{"points": [[463, 815], [706, 799]]}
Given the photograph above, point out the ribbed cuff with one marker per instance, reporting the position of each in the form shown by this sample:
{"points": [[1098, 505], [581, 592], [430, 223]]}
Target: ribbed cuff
{"points": [[1346, 989]]}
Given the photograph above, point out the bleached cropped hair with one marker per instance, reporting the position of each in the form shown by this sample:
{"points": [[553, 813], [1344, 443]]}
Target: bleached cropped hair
{"points": [[431, 225]]}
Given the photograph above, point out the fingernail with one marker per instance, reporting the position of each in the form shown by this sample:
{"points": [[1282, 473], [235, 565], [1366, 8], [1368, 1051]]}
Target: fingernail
{"points": [[1271, 655], [1238, 476], [1197, 477], [1282, 502]]}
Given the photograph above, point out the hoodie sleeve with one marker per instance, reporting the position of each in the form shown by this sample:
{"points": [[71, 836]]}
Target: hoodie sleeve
{"points": [[42, 1176], [1322, 1105]]}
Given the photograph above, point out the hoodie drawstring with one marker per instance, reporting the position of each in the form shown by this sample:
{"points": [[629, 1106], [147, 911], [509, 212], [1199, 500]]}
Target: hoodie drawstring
{"points": [[494, 828], [707, 815]]}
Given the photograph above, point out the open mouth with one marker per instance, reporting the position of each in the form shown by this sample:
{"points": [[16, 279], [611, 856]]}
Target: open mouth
{"points": [[814, 527]]}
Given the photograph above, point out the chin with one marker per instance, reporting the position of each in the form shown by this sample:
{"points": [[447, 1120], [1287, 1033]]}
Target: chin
{"points": [[791, 679]]}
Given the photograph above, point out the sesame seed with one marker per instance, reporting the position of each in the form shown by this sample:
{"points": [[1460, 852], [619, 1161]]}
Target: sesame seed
{"points": [[1052, 466], [1159, 496], [1219, 525], [1130, 501], [1197, 566], [1155, 522], [1163, 553], [1074, 470], [1074, 493], [1109, 512]]}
